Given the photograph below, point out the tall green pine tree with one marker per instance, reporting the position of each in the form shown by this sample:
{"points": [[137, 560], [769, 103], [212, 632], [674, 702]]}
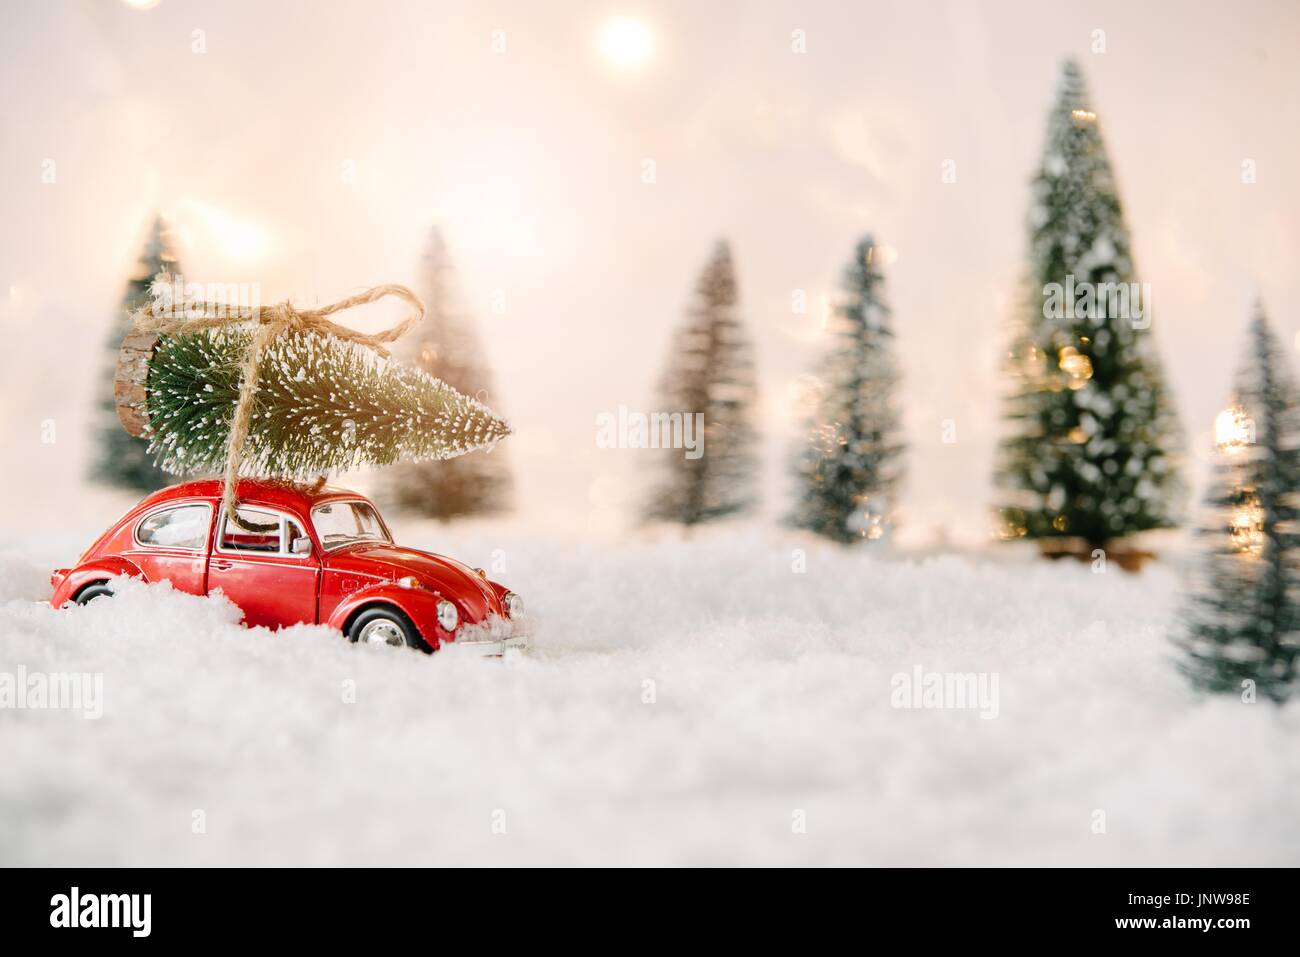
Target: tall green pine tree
{"points": [[122, 459], [1243, 620], [445, 346], [1093, 427], [711, 370], [850, 470]]}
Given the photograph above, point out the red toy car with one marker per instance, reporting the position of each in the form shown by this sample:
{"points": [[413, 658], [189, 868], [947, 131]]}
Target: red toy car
{"points": [[329, 559]]}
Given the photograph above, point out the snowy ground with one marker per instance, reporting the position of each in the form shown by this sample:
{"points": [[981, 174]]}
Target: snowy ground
{"points": [[772, 704]]}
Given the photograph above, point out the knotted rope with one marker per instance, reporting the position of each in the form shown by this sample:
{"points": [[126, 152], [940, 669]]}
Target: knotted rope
{"points": [[272, 322]]}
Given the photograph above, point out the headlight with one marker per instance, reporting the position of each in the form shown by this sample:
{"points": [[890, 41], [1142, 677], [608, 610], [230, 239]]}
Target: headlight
{"points": [[448, 616], [410, 581], [514, 605]]}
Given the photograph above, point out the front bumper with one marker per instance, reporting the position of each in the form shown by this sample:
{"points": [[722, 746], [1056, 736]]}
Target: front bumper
{"points": [[488, 647]]}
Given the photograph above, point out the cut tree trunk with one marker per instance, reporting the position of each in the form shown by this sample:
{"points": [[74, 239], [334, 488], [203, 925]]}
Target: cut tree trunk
{"points": [[129, 381]]}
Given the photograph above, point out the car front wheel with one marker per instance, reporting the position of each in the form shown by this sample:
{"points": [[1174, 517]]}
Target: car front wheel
{"points": [[91, 592], [385, 626]]}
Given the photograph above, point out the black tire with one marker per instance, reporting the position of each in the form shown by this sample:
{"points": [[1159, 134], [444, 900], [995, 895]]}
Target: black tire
{"points": [[379, 615], [91, 592]]}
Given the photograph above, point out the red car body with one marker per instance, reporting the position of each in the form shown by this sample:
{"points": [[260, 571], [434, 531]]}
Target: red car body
{"points": [[175, 535]]}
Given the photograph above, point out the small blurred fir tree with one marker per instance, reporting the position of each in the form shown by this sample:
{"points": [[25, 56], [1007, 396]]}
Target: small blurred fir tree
{"points": [[710, 371], [850, 470], [121, 459], [445, 346], [1094, 434], [1242, 623]]}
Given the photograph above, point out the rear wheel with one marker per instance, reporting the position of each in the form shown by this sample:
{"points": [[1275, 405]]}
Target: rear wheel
{"points": [[91, 592], [385, 626]]}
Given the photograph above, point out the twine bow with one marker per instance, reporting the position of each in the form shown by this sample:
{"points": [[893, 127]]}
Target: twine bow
{"points": [[272, 322]]}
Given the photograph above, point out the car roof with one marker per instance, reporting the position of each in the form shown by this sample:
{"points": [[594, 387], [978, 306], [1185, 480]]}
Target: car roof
{"points": [[293, 495]]}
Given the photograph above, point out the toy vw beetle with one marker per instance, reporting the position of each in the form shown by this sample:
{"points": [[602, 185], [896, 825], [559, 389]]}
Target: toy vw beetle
{"points": [[321, 555]]}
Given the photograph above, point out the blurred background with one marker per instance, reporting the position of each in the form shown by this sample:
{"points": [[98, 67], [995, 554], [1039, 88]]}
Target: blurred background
{"points": [[581, 159], [591, 197]]}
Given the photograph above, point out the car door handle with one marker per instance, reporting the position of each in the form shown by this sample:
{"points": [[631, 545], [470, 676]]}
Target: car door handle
{"points": [[222, 566]]}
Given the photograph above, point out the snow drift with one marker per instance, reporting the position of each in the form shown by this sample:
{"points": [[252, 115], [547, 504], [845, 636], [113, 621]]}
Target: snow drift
{"points": [[701, 703]]}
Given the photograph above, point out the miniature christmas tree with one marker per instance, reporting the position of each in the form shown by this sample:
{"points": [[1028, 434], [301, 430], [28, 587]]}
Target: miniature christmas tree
{"points": [[1243, 622], [849, 472], [711, 372], [444, 346], [1091, 454], [123, 459], [317, 402]]}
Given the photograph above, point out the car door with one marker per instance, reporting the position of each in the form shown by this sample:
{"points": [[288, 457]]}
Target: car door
{"points": [[170, 543], [260, 572]]}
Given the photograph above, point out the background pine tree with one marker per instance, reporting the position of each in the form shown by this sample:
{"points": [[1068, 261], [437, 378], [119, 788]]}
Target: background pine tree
{"points": [[711, 370], [445, 346], [850, 470], [1093, 428], [1243, 621], [122, 459]]}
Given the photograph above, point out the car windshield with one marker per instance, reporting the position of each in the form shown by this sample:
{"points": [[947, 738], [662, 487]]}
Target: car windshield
{"points": [[341, 523]]}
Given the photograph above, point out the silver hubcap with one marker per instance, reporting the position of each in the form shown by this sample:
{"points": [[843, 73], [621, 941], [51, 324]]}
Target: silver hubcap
{"points": [[382, 631]]}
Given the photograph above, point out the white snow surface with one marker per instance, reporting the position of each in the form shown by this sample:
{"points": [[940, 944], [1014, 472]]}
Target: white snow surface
{"points": [[772, 703]]}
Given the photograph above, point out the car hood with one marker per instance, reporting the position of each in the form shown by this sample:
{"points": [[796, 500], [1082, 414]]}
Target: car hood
{"points": [[458, 583]]}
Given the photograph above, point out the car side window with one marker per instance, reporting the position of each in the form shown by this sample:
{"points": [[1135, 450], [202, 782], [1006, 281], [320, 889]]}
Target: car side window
{"points": [[184, 526], [235, 539]]}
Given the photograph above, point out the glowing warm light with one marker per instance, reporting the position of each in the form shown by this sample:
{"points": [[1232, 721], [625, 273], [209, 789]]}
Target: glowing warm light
{"points": [[869, 519], [1007, 526], [141, 4], [1233, 430], [1083, 116], [235, 238], [1076, 365], [1078, 436], [1247, 527], [626, 43]]}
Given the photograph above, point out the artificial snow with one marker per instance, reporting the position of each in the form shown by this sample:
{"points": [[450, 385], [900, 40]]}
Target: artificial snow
{"points": [[698, 702]]}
